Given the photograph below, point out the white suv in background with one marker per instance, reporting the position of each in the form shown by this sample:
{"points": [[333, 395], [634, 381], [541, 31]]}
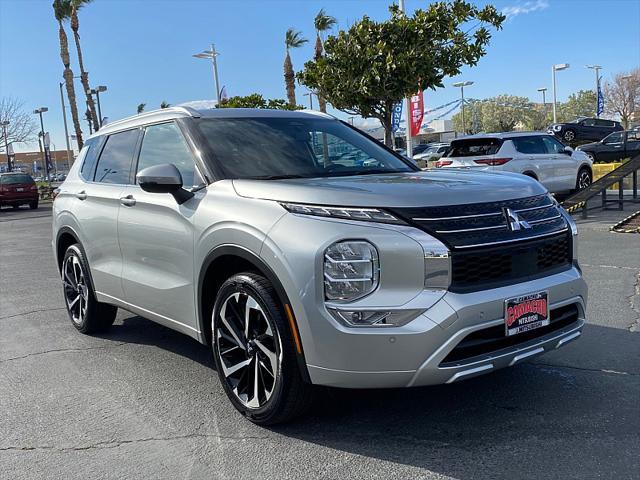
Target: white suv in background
{"points": [[538, 155]]}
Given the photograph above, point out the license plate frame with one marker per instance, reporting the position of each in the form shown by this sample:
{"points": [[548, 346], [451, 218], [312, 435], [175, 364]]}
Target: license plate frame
{"points": [[526, 312]]}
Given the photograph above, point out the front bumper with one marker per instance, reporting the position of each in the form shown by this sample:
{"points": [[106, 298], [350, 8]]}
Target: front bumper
{"points": [[413, 355]]}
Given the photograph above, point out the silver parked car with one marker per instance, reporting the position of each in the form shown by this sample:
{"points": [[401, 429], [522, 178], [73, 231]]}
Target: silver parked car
{"points": [[307, 254], [537, 155]]}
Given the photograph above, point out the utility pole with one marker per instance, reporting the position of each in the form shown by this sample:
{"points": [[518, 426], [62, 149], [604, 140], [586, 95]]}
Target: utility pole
{"points": [[407, 103], [5, 124], [66, 130], [597, 69], [212, 55]]}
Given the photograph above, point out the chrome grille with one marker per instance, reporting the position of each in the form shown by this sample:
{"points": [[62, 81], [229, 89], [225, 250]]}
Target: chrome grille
{"points": [[486, 252]]}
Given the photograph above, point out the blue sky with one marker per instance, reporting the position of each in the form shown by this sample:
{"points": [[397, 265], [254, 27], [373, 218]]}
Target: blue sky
{"points": [[141, 49]]}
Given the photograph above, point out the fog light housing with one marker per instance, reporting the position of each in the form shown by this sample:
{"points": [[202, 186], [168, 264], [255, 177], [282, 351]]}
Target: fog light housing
{"points": [[373, 318], [351, 270]]}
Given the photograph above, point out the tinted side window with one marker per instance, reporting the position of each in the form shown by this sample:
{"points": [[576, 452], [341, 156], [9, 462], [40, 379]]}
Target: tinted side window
{"points": [[633, 136], [164, 143], [613, 138], [114, 165], [531, 145], [92, 148], [552, 145]]}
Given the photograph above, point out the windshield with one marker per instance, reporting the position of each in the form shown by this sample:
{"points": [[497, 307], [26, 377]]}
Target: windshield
{"points": [[15, 179], [272, 148]]}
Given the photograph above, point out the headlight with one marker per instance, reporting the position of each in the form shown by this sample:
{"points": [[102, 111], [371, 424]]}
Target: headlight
{"points": [[557, 128], [574, 231], [351, 270], [367, 214]]}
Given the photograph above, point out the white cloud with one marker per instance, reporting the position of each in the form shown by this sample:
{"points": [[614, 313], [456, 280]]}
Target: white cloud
{"points": [[525, 7]]}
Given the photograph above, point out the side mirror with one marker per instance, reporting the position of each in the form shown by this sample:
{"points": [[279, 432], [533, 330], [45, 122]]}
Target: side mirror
{"points": [[567, 150], [164, 178]]}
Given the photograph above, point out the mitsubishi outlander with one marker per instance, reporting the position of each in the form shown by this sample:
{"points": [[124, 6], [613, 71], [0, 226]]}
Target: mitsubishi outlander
{"points": [[306, 253]]}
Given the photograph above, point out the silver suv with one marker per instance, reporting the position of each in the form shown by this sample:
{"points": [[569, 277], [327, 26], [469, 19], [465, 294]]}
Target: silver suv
{"points": [[305, 253]]}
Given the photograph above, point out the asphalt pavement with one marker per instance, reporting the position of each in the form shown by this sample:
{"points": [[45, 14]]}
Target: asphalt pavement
{"points": [[143, 401]]}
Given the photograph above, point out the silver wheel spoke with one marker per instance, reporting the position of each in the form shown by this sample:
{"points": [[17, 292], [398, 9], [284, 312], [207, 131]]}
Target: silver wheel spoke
{"points": [[255, 401], [232, 331], [75, 300], [270, 355], [231, 370]]}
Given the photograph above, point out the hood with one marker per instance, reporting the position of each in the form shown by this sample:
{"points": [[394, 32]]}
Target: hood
{"points": [[587, 146], [413, 189]]}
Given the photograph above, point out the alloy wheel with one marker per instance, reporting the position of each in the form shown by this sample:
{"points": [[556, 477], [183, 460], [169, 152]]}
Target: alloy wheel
{"points": [[76, 292], [584, 180], [569, 136], [248, 349]]}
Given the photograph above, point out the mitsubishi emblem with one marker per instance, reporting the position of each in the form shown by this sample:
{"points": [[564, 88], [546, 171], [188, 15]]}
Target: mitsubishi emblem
{"points": [[514, 222]]}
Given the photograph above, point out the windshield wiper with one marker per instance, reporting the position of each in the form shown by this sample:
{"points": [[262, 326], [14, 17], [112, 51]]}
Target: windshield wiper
{"points": [[277, 177]]}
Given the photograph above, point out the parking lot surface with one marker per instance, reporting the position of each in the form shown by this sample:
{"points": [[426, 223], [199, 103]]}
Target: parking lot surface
{"points": [[143, 401]]}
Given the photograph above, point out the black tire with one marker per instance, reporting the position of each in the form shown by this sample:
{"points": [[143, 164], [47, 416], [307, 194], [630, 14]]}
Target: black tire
{"points": [[584, 179], [280, 400], [85, 312], [15, 207], [592, 156], [569, 136], [33, 205]]}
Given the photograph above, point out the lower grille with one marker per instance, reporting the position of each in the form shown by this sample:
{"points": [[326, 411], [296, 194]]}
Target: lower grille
{"points": [[492, 267], [491, 340]]}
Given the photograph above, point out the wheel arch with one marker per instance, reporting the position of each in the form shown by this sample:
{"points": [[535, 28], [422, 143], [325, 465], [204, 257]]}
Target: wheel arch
{"points": [[219, 264], [65, 237], [530, 173]]}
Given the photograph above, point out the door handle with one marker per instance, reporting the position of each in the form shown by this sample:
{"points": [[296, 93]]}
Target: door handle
{"points": [[128, 201], [81, 195]]}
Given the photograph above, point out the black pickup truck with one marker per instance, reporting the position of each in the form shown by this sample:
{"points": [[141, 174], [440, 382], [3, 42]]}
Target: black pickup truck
{"points": [[614, 147]]}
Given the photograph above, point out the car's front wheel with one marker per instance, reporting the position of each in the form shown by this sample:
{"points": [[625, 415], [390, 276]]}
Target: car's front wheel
{"points": [[86, 313], [255, 353], [584, 179]]}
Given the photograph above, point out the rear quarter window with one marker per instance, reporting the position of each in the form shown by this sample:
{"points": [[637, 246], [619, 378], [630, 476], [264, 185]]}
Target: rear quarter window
{"points": [[475, 147], [88, 167]]}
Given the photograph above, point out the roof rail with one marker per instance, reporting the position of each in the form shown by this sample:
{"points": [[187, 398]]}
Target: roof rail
{"points": [[141, 117]]}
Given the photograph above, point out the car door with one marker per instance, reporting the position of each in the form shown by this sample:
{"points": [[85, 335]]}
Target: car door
{"points": [[632, 144], [96, 206], [588, 130], [156, 235], [533, 157], [565, 167]]}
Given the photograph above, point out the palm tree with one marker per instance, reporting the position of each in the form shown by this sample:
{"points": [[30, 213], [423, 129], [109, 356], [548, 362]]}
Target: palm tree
{"points": [[292, 39], [322, 22], [62, 12], [141, 107], [84, 75]]}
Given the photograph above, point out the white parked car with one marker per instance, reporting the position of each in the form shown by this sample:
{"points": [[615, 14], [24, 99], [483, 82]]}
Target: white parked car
{"points": [[538, 155], [431, 154]]}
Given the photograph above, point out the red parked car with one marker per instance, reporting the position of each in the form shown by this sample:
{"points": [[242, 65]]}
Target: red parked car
{"points": [[18, 189]]}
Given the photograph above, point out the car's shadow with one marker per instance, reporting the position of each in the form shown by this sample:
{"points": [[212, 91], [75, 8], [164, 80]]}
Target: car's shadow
{"points": [[536, 420]]}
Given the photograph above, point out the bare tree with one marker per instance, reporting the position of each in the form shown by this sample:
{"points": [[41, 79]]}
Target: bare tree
{"points": [[22, 126], [622, 96]]}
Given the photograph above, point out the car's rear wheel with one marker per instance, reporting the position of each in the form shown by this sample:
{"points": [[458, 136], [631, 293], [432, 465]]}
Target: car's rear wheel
{"points": [[254, 352], [569, 136], [591, 156], [584, 179], [86, 313], [33, 205]]}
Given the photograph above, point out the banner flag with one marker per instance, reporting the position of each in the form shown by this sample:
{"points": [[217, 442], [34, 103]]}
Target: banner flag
{"points": [[395, 116], [417, 112], [600, 108]]}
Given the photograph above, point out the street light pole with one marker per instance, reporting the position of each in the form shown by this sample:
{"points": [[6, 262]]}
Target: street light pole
{"points": [[597, 69], [97, 90], [544, 97], [554, 69], [462, 85], [5, 124], [66, 130], [407, 104], [310, 95], [40, 111], [212, 55]]}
